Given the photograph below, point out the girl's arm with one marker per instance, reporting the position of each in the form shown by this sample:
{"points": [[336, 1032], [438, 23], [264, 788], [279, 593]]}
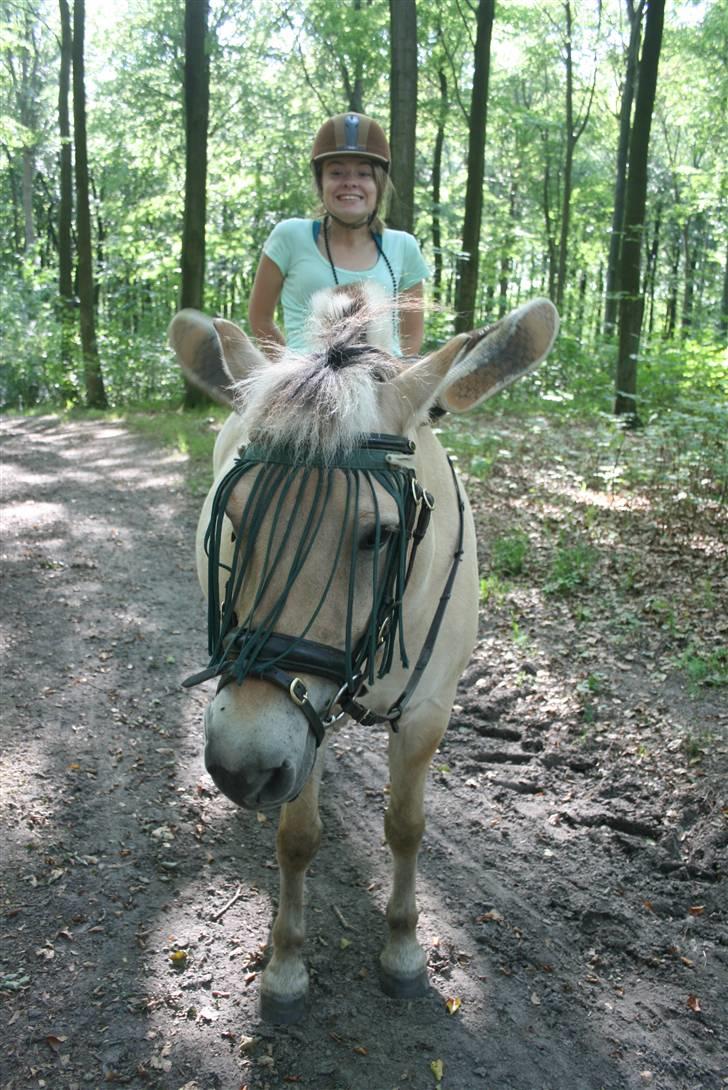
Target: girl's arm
{"points": [[411, 320], [264, 297]]}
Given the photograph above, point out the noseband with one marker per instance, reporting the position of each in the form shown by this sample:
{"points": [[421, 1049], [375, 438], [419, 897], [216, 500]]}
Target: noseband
{"points": [[253, 647]]}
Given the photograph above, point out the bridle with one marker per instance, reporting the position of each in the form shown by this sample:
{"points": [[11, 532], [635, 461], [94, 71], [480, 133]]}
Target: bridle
{"points": [[253, 648]]}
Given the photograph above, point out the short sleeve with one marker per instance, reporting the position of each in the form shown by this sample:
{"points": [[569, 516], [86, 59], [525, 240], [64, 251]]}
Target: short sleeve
{"points": [[414, 267], [277, 247]]}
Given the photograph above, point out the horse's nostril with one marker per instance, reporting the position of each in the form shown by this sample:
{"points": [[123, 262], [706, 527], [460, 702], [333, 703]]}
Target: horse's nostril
{"points": [[268, 787]]}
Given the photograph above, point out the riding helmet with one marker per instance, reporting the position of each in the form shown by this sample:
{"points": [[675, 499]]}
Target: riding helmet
{"points": [[351, 134]]}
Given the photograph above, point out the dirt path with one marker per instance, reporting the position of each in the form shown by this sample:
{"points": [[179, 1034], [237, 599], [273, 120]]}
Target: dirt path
{"points": [[571, 884]]}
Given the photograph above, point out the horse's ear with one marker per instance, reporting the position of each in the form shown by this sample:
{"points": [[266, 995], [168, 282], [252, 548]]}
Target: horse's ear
{"points": [[496, 357], [238, 351], [192, 335], [418, 383]]}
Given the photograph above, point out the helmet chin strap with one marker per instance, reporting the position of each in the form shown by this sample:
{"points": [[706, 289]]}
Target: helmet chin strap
{"points": [[351, 226]]}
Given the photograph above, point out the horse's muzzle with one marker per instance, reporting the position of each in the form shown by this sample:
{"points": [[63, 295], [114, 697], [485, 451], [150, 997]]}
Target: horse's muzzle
{"points": [[254, 779]]}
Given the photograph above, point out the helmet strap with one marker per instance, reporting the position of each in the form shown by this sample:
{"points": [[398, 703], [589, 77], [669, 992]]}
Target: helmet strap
{"points": [[351, 226]]}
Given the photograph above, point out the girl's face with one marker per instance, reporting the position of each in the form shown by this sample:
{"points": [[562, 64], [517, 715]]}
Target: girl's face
{"points": [[348, 188]]}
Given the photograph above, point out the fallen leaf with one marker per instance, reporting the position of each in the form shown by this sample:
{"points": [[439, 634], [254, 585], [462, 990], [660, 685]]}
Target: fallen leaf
{"points": [[453, 1004], [261, 818], [489, 917], [55, 1042], [437, 1068], [535, 999], [343, 943], [360, 1050], [696, 910], [178, 957], [694, 1004]]}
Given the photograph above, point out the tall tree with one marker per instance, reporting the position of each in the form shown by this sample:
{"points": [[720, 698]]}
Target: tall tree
{"points": [[575, 124], [197, 108], [65, 207], [403, 110], [467, 283], [634, 15], [437, 183], [631, 303], [93, 379]]}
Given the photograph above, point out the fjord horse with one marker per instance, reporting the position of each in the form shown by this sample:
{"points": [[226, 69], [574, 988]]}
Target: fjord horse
{"points": [[338, 553]]}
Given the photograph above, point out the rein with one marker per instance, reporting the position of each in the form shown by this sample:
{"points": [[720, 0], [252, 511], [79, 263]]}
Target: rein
{"points": [[253, 647]]}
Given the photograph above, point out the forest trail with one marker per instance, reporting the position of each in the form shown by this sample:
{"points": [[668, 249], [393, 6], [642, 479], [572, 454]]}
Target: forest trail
{"points": [[571, 885]]}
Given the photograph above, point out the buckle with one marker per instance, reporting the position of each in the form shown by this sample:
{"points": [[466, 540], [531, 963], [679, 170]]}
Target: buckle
{"points": [[298, 692]]}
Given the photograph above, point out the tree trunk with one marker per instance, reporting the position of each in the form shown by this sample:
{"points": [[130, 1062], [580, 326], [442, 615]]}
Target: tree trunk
{"points": [[651, 268], [467, 283], [574, 131], [625, 115], [568, 166], [506, 261], [671, 303], [691, 249], [403, 107], [197, 98], [723, 323], [551, 254], [93, 379], [632, 301], [436, 182], [65, 210]]}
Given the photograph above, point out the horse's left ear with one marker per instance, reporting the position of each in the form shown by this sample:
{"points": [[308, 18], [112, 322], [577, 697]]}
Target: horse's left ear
{"points": [[212, 353], [495, 357]]}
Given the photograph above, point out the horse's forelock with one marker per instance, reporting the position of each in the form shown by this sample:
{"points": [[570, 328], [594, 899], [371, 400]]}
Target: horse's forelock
{"points": [[317, 409]]}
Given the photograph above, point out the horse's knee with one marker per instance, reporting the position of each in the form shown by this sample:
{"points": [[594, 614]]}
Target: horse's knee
{"points": [[298, 845], [403, 830]]}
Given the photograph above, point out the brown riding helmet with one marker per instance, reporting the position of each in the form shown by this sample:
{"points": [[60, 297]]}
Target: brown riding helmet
{"points": [[351, 134]]}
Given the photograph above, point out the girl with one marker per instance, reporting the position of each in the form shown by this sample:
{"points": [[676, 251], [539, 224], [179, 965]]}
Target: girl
{"points": [[348, 243]]}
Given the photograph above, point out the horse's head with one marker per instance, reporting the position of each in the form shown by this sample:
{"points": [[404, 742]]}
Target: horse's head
{"points": [[309, 531]]}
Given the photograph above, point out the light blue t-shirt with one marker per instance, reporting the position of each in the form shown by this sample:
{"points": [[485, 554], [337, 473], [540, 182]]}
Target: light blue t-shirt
{"points": [[291, 245]]}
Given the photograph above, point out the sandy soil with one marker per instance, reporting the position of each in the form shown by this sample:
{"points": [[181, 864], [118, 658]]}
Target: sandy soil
{"points": [[572, 879]]}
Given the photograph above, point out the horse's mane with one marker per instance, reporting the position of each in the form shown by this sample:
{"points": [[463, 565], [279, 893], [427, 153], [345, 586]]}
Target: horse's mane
{"points": [[323, 402]]}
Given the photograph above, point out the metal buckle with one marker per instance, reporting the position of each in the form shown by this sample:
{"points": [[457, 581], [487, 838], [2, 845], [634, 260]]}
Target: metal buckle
{"points": [[384, 630], [403, 461], [428, 499], [294, 691]]}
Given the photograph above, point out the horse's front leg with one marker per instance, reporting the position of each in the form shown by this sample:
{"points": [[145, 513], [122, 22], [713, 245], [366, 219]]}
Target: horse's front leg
{"points": [[284, 984], [403, 961]]}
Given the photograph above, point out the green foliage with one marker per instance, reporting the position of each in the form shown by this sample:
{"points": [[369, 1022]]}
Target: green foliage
{"points": [[509, 552], [493, 591], [571, 568], [705, 666]]}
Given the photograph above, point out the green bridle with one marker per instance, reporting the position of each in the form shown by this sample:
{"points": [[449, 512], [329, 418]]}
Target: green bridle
{"points": [[282, 544]]}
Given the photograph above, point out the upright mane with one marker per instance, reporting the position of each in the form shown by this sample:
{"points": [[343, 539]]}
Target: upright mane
{"points": [[323, 402]]}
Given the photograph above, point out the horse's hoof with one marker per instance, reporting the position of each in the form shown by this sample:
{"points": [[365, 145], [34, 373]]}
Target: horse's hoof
{"points": [[282, 1012], [404, 987]]}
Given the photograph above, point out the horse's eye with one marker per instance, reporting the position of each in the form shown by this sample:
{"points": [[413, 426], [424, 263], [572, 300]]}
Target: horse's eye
{"points": [[368, 538]]}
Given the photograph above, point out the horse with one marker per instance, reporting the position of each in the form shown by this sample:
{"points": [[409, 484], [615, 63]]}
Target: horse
{"points": [[337, 550]]}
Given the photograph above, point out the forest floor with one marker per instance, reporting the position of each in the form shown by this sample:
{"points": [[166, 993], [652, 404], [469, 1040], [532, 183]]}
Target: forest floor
{"points": [[572, 877]]}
